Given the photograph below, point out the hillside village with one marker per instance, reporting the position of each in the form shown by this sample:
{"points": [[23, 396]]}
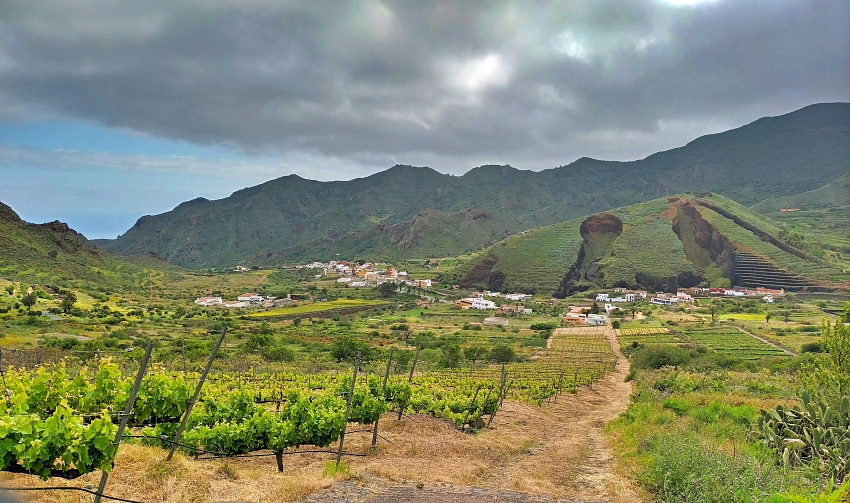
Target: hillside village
{"points": [[502, 306]]}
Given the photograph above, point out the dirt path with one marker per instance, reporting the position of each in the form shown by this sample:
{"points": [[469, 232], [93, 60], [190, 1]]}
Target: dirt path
{"points": [[557, 452]]}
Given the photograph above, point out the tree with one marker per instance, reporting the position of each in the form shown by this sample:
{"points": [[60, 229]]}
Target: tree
{"points": [[68, 302], [258, 341], [10, 289], [346, 347], [767, 318], [296, 322], [451, 356], [712, 308], [475, 353], [401, 359], [827, 379], [386, 289], [786, 315], [28, 300], [836, 343], [502, 353], [594, 309]]}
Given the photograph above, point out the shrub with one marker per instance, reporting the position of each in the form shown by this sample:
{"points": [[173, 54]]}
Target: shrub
{"points": [[679, 407], [811, 347], [545, 325], [657, 356], [684, 471], [615, 324], [279, 354], [59, 343]]}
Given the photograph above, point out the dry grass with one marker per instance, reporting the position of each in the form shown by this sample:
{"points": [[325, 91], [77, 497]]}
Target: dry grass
{"points": [[140, 473]]}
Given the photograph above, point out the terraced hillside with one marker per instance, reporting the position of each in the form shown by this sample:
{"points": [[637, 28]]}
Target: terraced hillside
{"points": [[662, 244]]}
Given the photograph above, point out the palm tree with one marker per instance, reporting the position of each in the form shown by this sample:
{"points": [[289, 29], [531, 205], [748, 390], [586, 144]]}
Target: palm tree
{"points": [[68, 302], [28, 300]]}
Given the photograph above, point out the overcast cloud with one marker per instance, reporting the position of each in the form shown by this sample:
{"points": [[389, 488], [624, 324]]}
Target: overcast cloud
{"points": [[351, 87]]}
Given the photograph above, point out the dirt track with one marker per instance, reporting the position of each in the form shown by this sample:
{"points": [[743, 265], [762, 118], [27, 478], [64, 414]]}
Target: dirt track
{"points": [[559, 453]]}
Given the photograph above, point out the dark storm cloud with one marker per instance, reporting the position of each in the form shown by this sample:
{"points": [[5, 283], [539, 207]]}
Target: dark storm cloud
{"points": [[511, 81]]}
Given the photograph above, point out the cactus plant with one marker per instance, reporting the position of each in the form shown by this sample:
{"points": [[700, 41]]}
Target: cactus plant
{"points": [[812, 434]]}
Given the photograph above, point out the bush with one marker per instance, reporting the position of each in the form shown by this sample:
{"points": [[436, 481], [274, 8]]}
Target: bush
{"points": [[811, 347], [615, 324], [256, 342], [279, 354], [545, 325], [684, 471], [657, 356], [59, 343]]}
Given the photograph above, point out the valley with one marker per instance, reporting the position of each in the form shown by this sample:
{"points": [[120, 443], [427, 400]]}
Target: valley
{"points": [[504, 334]]}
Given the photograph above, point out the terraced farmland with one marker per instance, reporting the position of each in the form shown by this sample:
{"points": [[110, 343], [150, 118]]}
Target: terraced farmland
{"points": [[744, 240], [649, 335], [730, 341]]}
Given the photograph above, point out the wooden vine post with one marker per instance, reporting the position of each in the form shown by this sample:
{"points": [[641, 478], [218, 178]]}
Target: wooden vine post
{"points": [[409, 380], [125, 416], [383, 392], [348, 409], [195, 396]]}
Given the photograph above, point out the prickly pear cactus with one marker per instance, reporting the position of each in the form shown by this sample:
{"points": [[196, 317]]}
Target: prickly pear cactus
{"points": [[812, 434]]}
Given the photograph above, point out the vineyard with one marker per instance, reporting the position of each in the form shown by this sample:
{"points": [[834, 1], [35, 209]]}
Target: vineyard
{"points": [[722, 339], [58, 420], [648, 335], [576, 357], [730, 341]]}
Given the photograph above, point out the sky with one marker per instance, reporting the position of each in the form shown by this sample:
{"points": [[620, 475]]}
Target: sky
{"points": [[114, 110]]}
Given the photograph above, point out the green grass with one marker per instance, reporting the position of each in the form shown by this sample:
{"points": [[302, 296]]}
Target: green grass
{"points": [[648, 248]]}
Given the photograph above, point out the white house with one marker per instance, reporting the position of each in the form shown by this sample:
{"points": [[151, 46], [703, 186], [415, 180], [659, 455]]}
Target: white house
{"points": [[630, 297], [526, 311], [357, 284], [479, 303], [517, 296], [597, 319], [664, 302], [231, 303], [601, 297], [344, 280], [768, 299], [208, 301], [250, 297]]}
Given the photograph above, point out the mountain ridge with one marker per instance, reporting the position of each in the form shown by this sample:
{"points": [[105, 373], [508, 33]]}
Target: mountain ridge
{"points": [[407, 211]]}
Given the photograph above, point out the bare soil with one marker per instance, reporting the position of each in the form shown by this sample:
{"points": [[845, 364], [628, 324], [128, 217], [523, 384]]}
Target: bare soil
{"points": [[557, 452]]}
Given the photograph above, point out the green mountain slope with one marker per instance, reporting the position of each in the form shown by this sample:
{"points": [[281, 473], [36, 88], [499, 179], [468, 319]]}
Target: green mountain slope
{"points": [[662, 244], [55, 254], [418, 212]]}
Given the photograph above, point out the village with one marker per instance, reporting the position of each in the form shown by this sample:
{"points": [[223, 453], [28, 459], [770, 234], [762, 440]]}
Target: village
{"points": [[502, 306]]}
